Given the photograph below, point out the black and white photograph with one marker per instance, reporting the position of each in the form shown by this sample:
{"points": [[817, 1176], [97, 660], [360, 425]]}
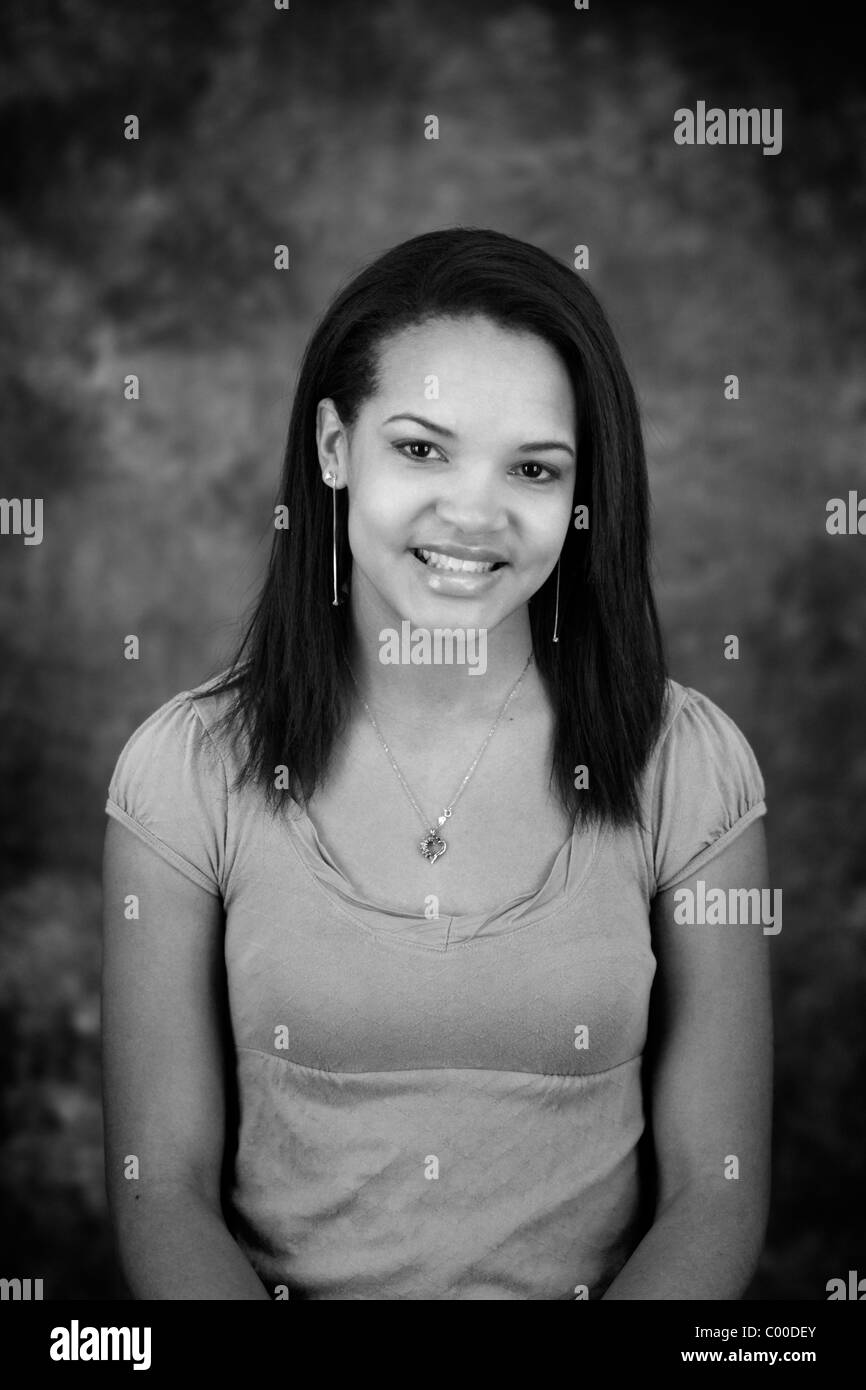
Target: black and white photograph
{"points": [[432, 610]]}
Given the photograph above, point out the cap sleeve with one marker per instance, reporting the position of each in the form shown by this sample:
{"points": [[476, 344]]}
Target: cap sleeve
{"points": [[708, 788], [169, 788]]}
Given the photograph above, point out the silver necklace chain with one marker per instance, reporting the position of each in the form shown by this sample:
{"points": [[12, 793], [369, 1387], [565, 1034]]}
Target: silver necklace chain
{"points": [[433, 846]]}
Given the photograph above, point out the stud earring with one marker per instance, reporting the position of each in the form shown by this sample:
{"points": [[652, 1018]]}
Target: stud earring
{"points": [[331, 478]]}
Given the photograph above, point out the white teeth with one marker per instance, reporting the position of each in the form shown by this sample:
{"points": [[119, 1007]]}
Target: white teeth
{"points": [[450, 562]]}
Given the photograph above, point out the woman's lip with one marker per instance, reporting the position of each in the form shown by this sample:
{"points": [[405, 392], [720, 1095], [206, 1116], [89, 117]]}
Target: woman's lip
{"points": [[456, 583], [488, 557], [465, 552]]}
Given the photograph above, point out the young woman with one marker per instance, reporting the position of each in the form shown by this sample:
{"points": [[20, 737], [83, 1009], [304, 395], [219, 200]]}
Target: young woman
{"points": [[398, 1003]]}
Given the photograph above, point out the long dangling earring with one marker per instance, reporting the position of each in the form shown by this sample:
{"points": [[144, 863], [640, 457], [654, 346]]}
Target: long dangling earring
{"points": [[332, 479], [556, 617]]}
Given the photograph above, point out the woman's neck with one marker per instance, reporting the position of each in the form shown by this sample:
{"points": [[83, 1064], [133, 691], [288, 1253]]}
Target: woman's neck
{"points": [[461, 674]]}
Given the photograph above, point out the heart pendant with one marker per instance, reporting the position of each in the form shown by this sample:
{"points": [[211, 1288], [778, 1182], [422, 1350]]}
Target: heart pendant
{"points": [[432, 846]]}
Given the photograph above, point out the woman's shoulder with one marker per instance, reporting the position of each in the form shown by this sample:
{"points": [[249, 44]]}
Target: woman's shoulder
{"points": [[214, 705], [187, 727], [181, 753], [693, 725], [170, 781], [703, 785]]}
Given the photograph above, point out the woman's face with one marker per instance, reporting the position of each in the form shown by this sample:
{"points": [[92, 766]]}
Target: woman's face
{"points": [[486, 469]]}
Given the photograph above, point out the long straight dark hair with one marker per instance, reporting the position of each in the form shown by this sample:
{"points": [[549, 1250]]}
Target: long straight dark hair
{"points": [[606, 675]]}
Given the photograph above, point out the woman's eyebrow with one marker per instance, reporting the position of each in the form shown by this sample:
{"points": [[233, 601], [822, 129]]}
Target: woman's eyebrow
{"points": [[427, 424], [449, 434]]}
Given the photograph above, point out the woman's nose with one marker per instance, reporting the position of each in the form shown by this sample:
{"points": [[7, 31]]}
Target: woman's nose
{"points": [[473, 506]]}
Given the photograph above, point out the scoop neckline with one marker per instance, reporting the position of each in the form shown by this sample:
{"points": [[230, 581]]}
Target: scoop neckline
{"points": [[565, 878]]}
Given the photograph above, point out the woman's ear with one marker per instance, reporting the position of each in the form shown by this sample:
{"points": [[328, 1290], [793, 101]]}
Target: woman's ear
{"points": [[331, 441]]}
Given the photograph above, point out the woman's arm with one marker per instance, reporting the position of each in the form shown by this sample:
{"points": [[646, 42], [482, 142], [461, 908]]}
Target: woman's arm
{"points": [[711, 1094], [163, 1029]]}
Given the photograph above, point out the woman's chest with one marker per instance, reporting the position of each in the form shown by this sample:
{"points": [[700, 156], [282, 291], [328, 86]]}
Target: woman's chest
{"points": [[501, 839], [321, 982], [348, 952]]}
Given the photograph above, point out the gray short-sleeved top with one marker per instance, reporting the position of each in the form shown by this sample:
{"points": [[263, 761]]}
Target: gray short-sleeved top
{"points": [[446, 1108]]}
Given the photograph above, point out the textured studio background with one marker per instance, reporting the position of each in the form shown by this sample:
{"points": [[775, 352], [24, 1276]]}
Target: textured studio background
{"points": [[156, 257]]}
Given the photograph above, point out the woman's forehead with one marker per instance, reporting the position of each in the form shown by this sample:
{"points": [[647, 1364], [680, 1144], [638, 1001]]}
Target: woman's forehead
{"points": [[451, 366]]}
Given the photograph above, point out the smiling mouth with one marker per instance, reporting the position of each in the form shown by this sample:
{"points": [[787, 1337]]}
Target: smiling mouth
{"points": [[434, 559]]}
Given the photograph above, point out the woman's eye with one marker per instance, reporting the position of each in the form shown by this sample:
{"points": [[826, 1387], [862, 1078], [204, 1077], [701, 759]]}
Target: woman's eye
{"points": [[416, 444], [535, 477]]}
